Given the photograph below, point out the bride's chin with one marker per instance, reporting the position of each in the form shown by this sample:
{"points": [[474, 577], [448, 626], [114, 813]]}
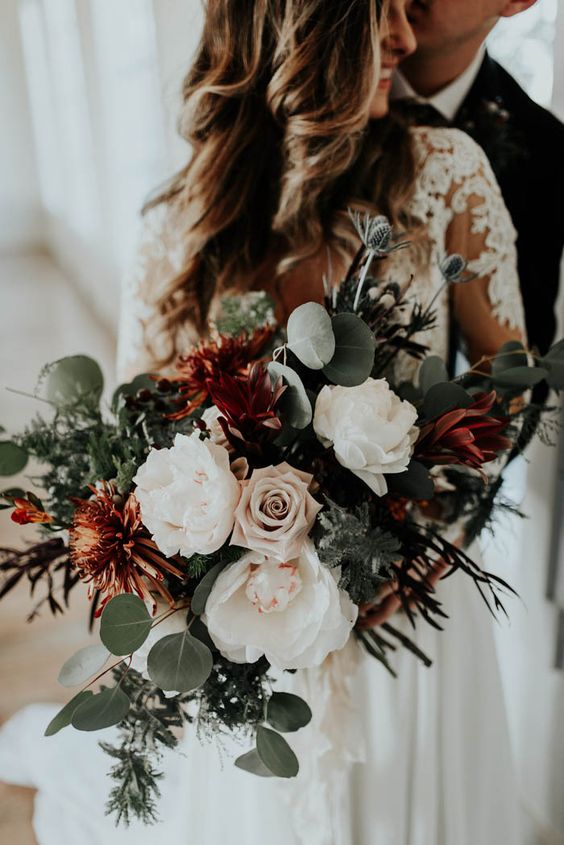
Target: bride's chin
{"points": [[380, 107]]}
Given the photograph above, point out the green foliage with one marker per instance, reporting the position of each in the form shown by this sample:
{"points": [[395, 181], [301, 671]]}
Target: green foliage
{"points": [[78, 446], [414, 483], [295, 404], [310, 335], [211, 565], [287, 712], [83, 665], [443, 397], [179, 662], [101, 710], [432, 371], [145, 732], [64, 717], [125, 472], [13, 458], [251, 762], [276, 754], [245, 313], [364, 552], [355, 348], [73, 381], [234, 696], [125, 624]]}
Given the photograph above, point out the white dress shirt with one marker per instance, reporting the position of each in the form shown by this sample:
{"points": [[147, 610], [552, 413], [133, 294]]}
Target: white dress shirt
{"points": [[447, 101]]}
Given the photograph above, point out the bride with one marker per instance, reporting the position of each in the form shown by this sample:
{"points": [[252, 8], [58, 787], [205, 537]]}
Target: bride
{"points": [[287, 114]]}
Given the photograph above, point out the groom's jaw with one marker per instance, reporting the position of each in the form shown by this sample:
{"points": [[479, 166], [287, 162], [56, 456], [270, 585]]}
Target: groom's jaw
{"points": [[449, 34]]}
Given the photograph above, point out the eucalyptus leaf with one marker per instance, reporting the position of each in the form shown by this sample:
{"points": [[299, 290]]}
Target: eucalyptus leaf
{"points": [[101, 710], [512, 354], [125, 624], [200, 632], [555, 368], [13, 458], [310, 335], [556, 351], [204, 588], [408, 391], [353, 360], [520, 377], [287, 712], [432, 371], [74, 379], [444, 397], [82, 665], [179, 663], [251, 762], [64, 716], [13, 493], [415, 483], [130, 388], [276, 754], [295, 405]]}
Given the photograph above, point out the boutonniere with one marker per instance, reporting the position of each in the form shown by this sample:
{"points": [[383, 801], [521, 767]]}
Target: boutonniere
{"points": [[489, 122]]}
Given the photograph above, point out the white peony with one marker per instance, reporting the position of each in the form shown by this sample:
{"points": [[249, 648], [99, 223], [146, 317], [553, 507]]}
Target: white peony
{"points": [[211, 419], [292, 612], [370, 428], [188, 496]]}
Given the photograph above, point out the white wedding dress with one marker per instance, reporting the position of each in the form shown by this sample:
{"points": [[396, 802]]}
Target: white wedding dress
{"points": [[421, 760]]}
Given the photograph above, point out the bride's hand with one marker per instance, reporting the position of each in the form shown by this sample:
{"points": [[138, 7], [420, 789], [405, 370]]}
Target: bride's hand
{"points": [[387, 601]]}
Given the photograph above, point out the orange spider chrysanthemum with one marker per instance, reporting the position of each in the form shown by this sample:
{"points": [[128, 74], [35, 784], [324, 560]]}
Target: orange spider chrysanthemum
{"points": [[112, 550], [213, 358]]}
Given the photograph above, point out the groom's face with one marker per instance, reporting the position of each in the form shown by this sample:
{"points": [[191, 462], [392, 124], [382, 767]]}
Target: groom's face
{"points": [[440, 24]]}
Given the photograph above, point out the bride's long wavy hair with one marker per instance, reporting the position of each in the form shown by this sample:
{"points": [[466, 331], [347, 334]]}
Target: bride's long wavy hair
{"points": [[277, 114]]}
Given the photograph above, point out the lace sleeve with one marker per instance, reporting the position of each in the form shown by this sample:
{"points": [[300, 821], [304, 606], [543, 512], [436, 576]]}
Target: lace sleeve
{"points": [[479, 227], [159, 258]]}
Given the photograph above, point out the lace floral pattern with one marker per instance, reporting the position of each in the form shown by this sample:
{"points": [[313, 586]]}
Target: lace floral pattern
{"points": [[455, 182]]}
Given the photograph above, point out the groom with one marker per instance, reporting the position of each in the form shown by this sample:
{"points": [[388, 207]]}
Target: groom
{"points": [[455, 82]]}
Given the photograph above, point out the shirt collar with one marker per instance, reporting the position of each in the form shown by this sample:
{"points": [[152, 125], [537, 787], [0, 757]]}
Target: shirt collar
{"points": [[447, 101]]}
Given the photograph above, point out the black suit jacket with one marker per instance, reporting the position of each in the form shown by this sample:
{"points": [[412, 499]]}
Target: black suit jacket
{"points": [[525, 145]]}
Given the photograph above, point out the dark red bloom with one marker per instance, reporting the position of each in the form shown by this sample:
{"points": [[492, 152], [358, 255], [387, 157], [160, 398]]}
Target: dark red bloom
{"points": [[464, 436], [26, 512], [112, 550], [248, 406], [212, 359]]}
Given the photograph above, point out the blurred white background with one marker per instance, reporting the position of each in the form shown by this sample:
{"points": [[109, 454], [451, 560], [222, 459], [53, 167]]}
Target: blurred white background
{"points": [[89, 94]]}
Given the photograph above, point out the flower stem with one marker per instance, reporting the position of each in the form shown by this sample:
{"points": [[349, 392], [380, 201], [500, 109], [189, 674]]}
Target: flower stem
{"points": [[362, 280]]}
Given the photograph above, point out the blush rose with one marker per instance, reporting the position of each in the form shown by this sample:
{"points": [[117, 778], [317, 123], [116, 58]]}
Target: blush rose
{"points": [[276, 512]]}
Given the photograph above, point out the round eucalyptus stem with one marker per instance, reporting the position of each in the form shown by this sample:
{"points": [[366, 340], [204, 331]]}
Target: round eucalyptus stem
{"points": [[362, 280]]}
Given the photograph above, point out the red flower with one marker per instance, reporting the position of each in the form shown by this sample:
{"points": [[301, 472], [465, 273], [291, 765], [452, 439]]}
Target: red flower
{"points": [[213, 359], [248, 405], [112, 550], [26, 512], [464, 436]]}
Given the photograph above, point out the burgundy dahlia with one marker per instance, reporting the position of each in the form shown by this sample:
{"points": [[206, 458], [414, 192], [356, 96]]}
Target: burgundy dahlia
{"points": [[465, 436], [212, 359], [248, 405]]}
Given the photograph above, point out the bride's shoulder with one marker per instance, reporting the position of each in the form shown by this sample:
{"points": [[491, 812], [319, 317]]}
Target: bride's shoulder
{"points": [[161, 229], [451, 148]]}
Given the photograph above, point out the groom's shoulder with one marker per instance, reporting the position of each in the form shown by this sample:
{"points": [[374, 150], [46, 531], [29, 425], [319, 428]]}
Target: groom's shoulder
{"points": [[524, 112]]}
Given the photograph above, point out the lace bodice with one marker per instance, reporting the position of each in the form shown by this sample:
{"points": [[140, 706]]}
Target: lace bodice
{"points": [[457, 199]]}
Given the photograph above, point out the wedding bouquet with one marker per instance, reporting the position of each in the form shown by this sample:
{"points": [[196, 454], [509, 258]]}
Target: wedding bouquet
{"points": [[234, 520]]}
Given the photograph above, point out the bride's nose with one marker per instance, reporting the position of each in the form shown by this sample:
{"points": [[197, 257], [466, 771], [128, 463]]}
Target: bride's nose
{"points": [[398, 37]]}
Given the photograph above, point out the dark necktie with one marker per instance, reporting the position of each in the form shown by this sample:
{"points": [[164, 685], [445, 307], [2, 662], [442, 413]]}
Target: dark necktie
{"points": [[420, 114]]}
